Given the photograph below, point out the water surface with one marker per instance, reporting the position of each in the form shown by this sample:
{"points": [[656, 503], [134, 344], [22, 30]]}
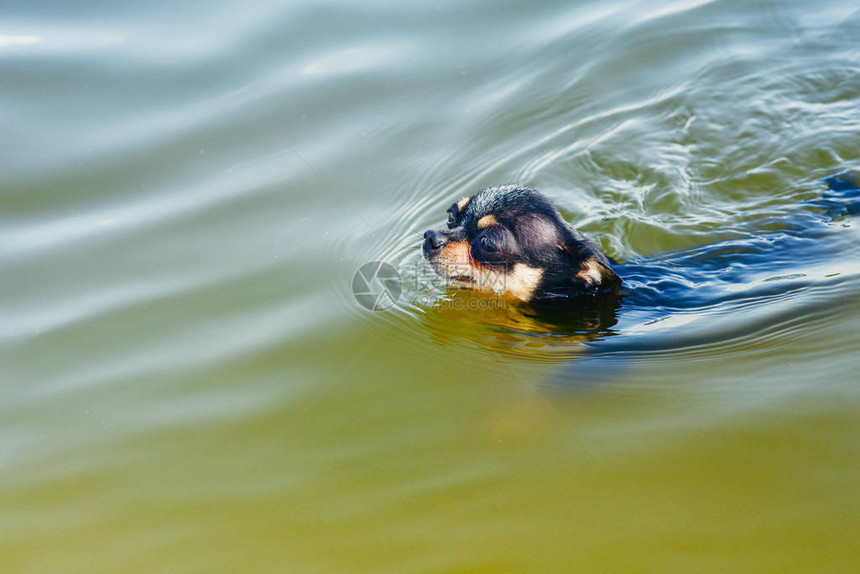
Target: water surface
{"points": [[188, 384]]}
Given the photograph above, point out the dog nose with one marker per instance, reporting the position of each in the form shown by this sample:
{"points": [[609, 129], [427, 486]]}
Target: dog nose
{"points": [[433, 240]]}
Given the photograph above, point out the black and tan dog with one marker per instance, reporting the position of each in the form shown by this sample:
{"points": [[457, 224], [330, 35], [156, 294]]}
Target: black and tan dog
{"points": [[511, 240]]}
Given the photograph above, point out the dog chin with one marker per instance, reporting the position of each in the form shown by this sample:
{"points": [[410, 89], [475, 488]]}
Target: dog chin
{"points": [[465, 282], [486, 282], [454, 278]]}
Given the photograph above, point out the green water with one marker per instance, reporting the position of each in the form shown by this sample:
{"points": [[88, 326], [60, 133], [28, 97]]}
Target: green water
{"points": [[187, 383]]}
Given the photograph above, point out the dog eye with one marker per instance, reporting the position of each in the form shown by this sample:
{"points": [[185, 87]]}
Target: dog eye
{"points": [[489, 246], [452, 218]]}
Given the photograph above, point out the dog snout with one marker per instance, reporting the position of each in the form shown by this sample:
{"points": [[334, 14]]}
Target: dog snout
{"points": [[433, 240]]}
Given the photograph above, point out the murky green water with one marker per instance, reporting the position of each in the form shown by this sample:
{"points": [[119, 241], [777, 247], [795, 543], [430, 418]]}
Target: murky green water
{"points": [[188, 385]]}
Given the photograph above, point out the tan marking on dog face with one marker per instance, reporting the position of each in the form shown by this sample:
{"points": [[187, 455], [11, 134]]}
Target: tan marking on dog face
{"points": [[487, 221], [454, 263], [591, 272], [522, 281], [461, 204], [454, 252]]}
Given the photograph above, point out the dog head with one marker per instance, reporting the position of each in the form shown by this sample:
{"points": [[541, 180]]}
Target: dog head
{"points": [[511, 240]]}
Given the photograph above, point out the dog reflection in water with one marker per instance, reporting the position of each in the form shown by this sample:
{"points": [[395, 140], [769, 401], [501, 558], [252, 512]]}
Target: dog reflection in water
{"points": [[518, 329]]}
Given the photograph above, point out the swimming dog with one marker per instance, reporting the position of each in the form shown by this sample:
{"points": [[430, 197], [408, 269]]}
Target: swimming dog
{"points": [[511, 240]]}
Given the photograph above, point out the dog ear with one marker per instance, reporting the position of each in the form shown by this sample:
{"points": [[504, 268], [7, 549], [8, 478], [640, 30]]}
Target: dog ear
{"points": [[597, 274], [588, 264]]}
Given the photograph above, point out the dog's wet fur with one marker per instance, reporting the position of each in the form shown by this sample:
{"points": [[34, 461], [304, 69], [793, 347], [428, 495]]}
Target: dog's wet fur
{"points": [[511, 240]]}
